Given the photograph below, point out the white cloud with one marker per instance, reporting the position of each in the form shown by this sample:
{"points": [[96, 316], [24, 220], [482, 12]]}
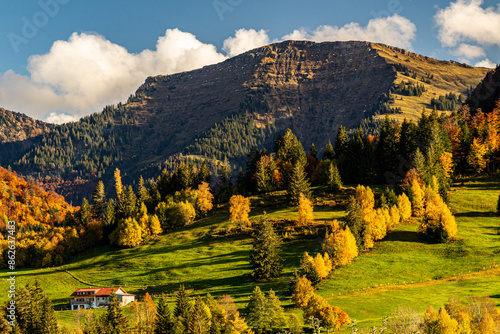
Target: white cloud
{"points": [[469, 51], [83, 74], [466, 20], [486, 63], [393, 30], [245, 40]]}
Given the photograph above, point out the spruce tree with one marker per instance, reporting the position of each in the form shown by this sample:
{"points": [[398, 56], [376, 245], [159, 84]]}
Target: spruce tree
{"points": [[114, 317], [98, 201], [256, 310], [84, 212], [204, 174], [341, 141], [334, 180], [127, 206], [314, 152], [199, 322], [275, 313], [164, 323], [355, 221], [262, 177], [163, 184], [290, 149], [142, 192], [329, 154], [298, 185], [264, 256], [182, 308], [47, 318]]}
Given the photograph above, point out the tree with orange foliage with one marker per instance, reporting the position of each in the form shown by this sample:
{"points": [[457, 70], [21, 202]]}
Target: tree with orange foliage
{"points": [[204, 198], [446, 160], [476, 157], [239, 209], [305, 211]]}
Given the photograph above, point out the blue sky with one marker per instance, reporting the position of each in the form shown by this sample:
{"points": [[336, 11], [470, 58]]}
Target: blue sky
{"points": [[101, 44]]}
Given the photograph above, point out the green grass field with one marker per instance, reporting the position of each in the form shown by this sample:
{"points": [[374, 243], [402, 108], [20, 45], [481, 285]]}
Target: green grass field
{"points": [[211, 256]]}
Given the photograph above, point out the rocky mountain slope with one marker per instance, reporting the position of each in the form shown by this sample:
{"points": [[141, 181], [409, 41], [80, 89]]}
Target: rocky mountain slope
{"points": [[224, 110]]}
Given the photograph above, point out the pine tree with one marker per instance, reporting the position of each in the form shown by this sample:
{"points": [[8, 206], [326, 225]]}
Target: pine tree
{"points": [[354, 220], [225, 176], [290, 149], [200, 317], [256, 310], [264, 256], [334, 180], [164, 322], [329, 154], [142, 192], [262, 177], [275, 315], [84, 213], [298, 185], [314, 152], [114, 318], [305, 211], [204, 174], [127, 206], [308, 269], [182, 306], [164, 184], [98, 201], [341, 141]]}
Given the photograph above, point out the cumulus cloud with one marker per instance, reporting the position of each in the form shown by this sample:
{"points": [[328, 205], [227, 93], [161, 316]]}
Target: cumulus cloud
{"points": [[393, 30], [245, 40], [81, 75], [469, 51], [486, 63], [466, 20]]}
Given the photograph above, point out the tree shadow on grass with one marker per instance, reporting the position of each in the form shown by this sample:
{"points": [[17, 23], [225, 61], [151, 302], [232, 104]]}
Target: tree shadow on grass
{"points": [[404, 236], [475, 214]]}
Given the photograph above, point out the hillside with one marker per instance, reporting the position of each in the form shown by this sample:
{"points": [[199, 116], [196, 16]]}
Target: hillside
{"points": [[225, 110], [211, 256]]}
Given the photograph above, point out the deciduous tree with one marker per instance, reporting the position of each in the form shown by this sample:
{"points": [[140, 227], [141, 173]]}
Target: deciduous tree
{"points": [[239, 207], [305, 211]]}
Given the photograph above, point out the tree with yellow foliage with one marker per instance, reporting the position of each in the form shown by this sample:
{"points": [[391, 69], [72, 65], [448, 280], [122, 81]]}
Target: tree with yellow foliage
{"points": [[417, 198], [303, 290], [446, 324], [394, 218], [321, 266], [204, 198], [118, 184], [404, 207], [476, 157], [305, 210], [340, 245], [128, 233], [487, 324], [365, 197], [446, 161], [154, 225], [438, 224], [308, 268], [330, 316], [239, 209]]}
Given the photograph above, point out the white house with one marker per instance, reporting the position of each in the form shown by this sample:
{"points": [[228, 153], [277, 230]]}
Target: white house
{"points": [[98, 297]]}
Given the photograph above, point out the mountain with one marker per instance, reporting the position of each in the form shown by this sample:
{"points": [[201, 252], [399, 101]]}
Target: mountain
{"points": [[225, 110], [486, 95]]}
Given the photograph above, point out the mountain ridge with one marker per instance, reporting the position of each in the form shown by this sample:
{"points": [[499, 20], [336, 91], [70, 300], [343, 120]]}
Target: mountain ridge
{"points": [[226, 109]]}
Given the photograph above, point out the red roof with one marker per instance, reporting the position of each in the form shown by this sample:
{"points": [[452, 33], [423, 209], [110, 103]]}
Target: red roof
{"points": [[98, 292]]}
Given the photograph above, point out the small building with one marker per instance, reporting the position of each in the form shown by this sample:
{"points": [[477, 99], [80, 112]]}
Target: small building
{"points": [[98, 297]]}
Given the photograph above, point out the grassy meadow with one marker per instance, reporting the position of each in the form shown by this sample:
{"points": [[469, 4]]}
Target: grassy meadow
{"points": [[212, 256]]}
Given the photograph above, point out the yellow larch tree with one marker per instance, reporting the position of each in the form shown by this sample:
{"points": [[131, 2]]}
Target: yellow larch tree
{"points": [[204, 198], [340, 245], [365, 197], [404, 206], [476, 157], [446, 324], [446, 161], [321, 267], [303, 290], [305, 210], [118, 184], [155, 225], [438, 223], [239, 207], [417, 198], [394, 218]]}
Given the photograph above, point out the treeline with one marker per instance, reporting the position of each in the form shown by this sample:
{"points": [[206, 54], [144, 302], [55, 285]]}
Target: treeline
{"points": [[448, 102]]}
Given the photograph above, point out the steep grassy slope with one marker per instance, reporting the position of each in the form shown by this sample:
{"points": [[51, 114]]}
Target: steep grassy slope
{"points": [[400, 270], [441, 77]]}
